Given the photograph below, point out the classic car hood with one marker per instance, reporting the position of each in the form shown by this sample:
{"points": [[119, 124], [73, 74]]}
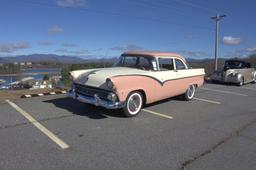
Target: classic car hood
{"points": [[97, 77]]}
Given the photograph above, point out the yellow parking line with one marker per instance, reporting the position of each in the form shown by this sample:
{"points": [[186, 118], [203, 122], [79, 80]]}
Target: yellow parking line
{"points": [[206, 100], [222, 91], [158, 114], [43, 129]]}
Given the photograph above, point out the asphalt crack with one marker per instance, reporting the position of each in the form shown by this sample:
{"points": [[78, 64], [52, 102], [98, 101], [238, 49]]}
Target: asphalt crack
{"points": [[40, 121], [215, 146]]}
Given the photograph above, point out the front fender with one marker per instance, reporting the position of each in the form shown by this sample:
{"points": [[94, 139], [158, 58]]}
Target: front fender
{"points": [[124, 85], [75, 74]]}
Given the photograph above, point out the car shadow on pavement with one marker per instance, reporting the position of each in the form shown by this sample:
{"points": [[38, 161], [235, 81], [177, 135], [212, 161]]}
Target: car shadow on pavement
{"points": [[82, 109], [221, 83], [176, 98]]}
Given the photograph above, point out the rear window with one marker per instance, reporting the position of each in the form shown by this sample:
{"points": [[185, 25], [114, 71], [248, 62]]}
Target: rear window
{"points": [[179, 64], [166, 64]]}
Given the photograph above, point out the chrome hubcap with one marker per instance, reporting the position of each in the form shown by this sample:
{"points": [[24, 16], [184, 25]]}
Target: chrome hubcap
{"points": [[134, 103], [191, 91]]}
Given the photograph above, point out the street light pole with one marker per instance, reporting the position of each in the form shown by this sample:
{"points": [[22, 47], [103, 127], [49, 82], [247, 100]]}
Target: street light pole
{"points": [[217, 18]]}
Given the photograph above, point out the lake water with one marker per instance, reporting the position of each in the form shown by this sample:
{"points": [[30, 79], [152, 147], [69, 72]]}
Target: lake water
{"points": [[39, 74]]}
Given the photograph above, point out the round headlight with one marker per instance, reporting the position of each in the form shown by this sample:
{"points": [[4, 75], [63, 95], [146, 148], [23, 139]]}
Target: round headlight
{"points": [[239, 76], [110, 84], [112, 97]]}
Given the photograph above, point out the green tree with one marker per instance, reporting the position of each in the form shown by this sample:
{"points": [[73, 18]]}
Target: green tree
{"points": [[65, 76], [74, 67], [46, 77]]}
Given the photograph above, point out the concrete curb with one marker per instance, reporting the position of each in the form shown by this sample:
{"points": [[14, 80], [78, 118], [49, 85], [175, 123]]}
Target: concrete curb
{"points": [[43, 94]]}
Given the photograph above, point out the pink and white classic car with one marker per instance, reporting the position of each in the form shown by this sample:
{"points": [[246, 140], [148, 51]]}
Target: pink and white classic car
{"points": [[138, 78]]}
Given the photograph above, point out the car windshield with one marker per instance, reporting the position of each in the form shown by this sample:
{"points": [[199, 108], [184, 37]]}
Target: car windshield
{"points": [[236, 65], [139, 62]]}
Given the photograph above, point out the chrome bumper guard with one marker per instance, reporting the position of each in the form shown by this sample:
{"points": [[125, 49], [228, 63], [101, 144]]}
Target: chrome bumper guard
{"points": [[95, 101]]}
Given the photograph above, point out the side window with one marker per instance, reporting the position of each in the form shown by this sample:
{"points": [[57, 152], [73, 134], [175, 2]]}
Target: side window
{"points": [[166, 64], [130, 61], [247, 65], [145, 63], [179, 64]]}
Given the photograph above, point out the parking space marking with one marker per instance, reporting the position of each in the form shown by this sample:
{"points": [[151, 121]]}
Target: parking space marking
{"points": [[222, 91], [43, 129], [158, 114], [206, 100]]}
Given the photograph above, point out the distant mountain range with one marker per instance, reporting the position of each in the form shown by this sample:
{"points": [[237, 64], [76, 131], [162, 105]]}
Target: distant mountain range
{"points": [[77, 60], [51, 58]]}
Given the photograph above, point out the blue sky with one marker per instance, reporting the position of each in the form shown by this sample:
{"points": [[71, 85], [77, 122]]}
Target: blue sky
{"points": [[97, 28]]}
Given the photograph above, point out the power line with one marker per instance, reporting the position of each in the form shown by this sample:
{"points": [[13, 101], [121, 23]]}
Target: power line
{"points": [[156, 5], [205, 9], [115, 14], [161, 4]]}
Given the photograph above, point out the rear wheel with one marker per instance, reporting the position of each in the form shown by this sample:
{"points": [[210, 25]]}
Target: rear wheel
{"points": [[133, 104], [190, 93]]}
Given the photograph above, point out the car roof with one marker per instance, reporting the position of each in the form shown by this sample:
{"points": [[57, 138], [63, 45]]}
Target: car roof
{"points": [[234, 60], [153, 54]]}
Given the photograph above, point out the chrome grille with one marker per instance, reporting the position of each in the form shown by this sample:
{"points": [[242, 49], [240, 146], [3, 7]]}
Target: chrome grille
{"points": [[91, 91]]}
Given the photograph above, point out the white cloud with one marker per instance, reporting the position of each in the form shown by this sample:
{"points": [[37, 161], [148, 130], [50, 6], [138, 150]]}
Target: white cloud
{"points": [[70, 3], [12, 47], [69, 45], [77, 52], [244, 52], [252, 49], [80, 51], [45, 43], [55, 30], [229, 40], [128, 47], [194, 54], [61, 51]]}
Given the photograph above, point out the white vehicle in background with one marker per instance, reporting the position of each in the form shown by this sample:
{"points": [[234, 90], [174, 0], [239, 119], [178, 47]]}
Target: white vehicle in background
{"points": [[4, 87], [235, 71], [2, 81]]}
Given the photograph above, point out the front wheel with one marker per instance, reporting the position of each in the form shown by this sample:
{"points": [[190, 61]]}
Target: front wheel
{"points": [[133, 104], [254, 79], [241, 83], [190, 93]]}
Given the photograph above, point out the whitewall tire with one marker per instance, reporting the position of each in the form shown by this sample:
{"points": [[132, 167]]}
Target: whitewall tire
{"points": [[190, 93], [133, 104]]}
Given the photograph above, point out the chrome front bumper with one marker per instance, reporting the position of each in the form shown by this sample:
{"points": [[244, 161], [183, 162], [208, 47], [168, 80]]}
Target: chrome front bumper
{"points": [[95, 101], [226, 78], [232, 79]]}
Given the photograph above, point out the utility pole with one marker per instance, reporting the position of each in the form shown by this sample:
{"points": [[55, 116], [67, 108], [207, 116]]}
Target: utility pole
{"points": [[218, 17]]}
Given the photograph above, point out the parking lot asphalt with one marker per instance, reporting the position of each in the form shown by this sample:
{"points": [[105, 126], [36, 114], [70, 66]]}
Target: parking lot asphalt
{"points": [[216, 130]]}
